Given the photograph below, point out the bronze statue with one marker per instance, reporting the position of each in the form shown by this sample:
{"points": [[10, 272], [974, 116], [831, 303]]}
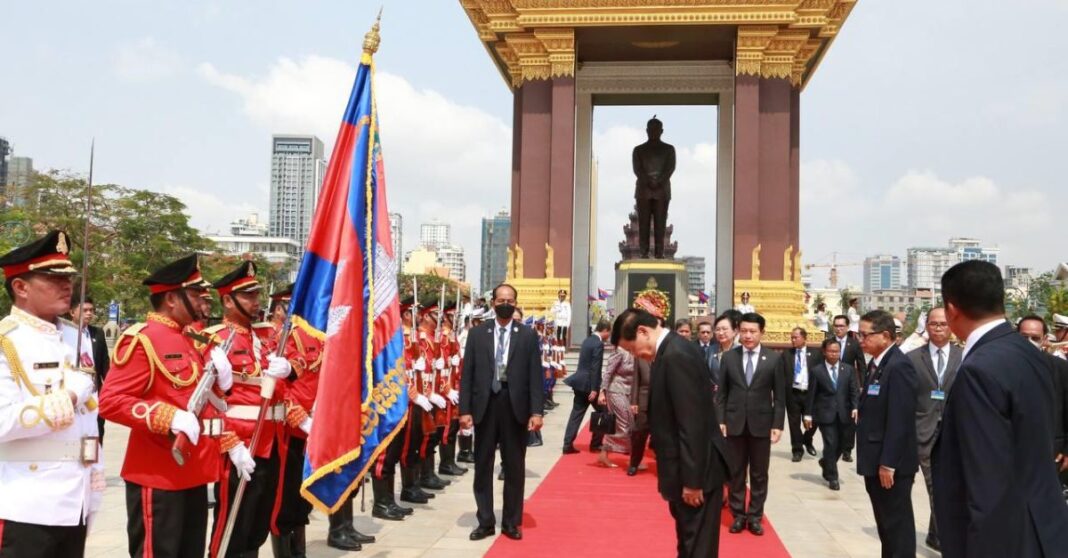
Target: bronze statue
{"points": [[654, 163]]}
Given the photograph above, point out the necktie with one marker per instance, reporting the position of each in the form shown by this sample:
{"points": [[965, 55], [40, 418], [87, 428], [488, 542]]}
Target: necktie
{"points": [[797, 367], [941, 370], [749, 369], [501, 332], [708, 349], [872, 367], [834, 377]]}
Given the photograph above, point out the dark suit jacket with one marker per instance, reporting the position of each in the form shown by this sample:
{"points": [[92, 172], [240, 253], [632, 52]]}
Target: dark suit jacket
{"points": [[756, 408], [995, 488], [101, 361], [713, 348], [689, 447], [929, 411], [886, 430], [853, 355], [1059, 377], [828, 404], [639, 393], [524, 373], [812, 356], [587, 376], [715, 363]]}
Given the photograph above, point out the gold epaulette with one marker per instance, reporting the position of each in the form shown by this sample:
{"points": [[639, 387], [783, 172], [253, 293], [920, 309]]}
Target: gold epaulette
{"points": [[66, 322], [212, 330], [134, 329], [7, 326], [261, 325]]}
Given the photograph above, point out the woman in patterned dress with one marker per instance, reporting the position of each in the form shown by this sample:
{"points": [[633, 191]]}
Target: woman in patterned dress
{"points": [[615, 393]]}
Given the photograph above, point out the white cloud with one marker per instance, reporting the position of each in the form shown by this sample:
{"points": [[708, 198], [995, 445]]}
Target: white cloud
{"points": [[208, 212], [443, 160], [146, 60]]}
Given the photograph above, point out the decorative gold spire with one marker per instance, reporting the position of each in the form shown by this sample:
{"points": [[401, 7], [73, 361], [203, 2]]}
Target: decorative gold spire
{"points": [[372, 38]]}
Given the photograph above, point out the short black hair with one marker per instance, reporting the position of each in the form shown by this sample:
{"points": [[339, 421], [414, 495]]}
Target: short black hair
{"points": [[75, 300], [710, 325], [625, 328], [275, 304], [828, 342], [9, 289], [493, 295], [840, 317], [682, 322], [753, 318], [602, 326], [733, 315], [975, 288], [881, 321], [1033, 317], [157, 300], [725, 316], [801, 330]]}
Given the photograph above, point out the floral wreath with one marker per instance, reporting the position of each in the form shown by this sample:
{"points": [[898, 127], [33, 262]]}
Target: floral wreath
{"points": [[654, 302]]}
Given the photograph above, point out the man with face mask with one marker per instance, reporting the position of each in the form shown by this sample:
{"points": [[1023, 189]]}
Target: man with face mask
{"points": [[1034, 329], [501, 397]]}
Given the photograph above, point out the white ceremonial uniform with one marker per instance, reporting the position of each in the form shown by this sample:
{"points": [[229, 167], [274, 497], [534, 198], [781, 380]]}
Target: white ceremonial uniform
{"points": [[562, 313], [55, 489]]}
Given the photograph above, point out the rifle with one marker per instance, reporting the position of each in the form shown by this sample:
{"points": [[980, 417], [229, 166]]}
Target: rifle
{"points": [[85, 256], [441, 312], [202, 395], [266, 393], [415, 309]]}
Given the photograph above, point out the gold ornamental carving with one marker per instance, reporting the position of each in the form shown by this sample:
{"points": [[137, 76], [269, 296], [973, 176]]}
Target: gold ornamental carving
{"points": [[535, 39], [787, 264], [755, 270], [781, 303]]}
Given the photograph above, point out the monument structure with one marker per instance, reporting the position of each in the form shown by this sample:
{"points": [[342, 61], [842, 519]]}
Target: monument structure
{"points": [[751, 58]]}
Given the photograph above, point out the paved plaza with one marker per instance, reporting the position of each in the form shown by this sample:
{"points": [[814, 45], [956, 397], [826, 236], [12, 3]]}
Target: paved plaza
{"points": [[811, 520]]}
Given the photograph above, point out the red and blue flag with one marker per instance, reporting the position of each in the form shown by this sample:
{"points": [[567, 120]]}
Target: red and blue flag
{"points": [[346, 293], [602, 294]]}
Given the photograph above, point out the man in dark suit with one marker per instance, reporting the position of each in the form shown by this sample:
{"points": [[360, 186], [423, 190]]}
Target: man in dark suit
{"points": [[797, 363], [751, 409], [83, 312], [501, 396], [691, 467], [706, 344], [996, 493], [586, 383], [1034, 329], [852, 355], [639, 409], [887, 454], [833, 396], [936, 366]]}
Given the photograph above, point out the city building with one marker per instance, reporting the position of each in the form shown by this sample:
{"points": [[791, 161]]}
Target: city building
{"points": [[972, 249], [452, 257], [274, 249], [695, 269], [297, 170], [5, 150], [396, 233], [249, 226], [1018, 277], [422, 261], [926, 266], [496, 232], [19, 177], [881, 273], [898, 300], [435, 235]]}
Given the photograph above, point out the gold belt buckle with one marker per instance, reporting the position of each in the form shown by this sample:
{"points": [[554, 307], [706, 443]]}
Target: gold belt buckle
{"points": [[90, 454]]}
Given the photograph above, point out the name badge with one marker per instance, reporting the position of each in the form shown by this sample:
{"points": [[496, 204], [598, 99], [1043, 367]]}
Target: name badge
{"points": [[873, 390], [45, 365], [938, 395]]}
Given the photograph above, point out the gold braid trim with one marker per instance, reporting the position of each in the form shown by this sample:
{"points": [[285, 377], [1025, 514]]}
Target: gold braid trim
{"points": [[15, 364], [161, 419], [228, 441], [295, 414]]}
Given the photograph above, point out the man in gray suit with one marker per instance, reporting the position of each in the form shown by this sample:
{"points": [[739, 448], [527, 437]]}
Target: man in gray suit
{"points": [[936, 367], [586, 383]]}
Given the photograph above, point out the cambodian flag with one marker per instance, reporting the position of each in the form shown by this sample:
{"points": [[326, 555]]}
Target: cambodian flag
{"points": [[346, 291], [702, 297], [602, 294]]}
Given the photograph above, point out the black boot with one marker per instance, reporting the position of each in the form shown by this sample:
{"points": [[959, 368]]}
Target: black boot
{"points": [[383, 496], [350, 527], [465, 443], [337, 537], [281, 545], [448, 461], [409, 487], [429, 479], [387, 482]]}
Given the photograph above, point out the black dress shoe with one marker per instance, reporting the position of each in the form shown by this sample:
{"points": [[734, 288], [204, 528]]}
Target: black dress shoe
{"points": [[811, 449], [395, 508], [738, 525], [384, 512], [342, 541], [755, 527], [568, 450], [833, 485], [512, 532], [410, 495], [465, 456], [932, 542], [481, 532], [847, 457], [358, 536], [631, 471], [796, 457], [451, 469], [433, 483]]}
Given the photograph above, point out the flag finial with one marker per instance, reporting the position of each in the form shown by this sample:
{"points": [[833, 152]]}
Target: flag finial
{"points": [[372, 39]]}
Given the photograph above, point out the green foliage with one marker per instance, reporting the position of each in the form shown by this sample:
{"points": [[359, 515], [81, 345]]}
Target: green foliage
{"points": [[430, 288], [819, 299]]}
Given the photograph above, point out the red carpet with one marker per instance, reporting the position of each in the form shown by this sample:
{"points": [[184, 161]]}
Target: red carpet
{"points": [[583, 509]]}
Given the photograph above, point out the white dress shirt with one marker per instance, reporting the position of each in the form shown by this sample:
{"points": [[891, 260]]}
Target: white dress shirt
{"points": [[800, 381], [660, 340], [940, 374], [497, 327], [978, 334]]}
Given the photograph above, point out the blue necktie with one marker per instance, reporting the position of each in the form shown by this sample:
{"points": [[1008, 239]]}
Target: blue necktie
{"points": [[749, 369], [834, 377], [501, 332], [797, 367]]}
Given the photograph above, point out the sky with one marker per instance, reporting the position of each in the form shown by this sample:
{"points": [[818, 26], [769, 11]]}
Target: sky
{"points": [[925, 120]]}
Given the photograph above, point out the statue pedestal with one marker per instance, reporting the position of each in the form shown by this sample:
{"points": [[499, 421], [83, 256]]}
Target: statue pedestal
{"points": [[668, 277]]}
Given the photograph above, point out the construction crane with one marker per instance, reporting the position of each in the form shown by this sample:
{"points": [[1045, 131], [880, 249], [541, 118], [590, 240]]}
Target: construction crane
{"points": [[834, 265]]}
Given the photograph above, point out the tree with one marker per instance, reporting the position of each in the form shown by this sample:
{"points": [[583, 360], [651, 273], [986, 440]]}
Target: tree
{"points": [[430, 288], [819, 299]]}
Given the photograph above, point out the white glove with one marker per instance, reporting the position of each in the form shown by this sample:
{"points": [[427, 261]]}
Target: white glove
{"points": [[54, 408], [420, 364], [439, 363], [81, 385], [186, 423], [243, 461], [423, 402], [225, 370], [557, 365], [305, 425], [278, 367], [454, 360], [97, 481], [545, 364], [454, 396], [437, 400], [467, 432]]}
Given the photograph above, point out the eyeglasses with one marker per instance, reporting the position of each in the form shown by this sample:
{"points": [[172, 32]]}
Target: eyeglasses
{"points": [[939, 325], [1036, 338], [861, 335]]}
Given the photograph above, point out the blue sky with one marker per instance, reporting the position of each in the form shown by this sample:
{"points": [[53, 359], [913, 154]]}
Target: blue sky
{"points": [[926, 119]]}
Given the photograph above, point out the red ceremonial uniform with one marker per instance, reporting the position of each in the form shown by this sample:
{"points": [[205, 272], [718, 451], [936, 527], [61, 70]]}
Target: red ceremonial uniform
{"points": [[154, 372], [305, 353]]}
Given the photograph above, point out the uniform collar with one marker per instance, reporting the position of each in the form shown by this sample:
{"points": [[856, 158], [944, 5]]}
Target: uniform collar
{"points": [[237, 328], [25, 318], [163, 320]]}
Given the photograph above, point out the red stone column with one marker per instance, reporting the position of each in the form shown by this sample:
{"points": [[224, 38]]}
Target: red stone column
{"points": [[562, 175], [746, 173], [775, 198]]}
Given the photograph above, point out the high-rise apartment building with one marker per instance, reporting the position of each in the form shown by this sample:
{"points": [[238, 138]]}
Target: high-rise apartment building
{"points": [[435, 235], [19, 176], [5, 150], [452, 258], [297, 170], [926, 266], [496, 232], [881, 273], [396, 233], [972, 249], [695, 269]]}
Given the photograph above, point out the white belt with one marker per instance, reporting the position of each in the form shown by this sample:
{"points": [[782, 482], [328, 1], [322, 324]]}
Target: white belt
{"points": [[211, 427], [248, 381], [37, 450], [276, 413]]}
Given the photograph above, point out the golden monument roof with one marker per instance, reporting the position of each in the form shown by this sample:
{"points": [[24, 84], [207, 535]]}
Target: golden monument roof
{"points": [[541, 39]]}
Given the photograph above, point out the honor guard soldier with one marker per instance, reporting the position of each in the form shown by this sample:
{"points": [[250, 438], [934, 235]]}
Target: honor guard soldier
{"points": [[51, 480], [420, 421], [252, 362], [156, 371], [431, 345], [448, 387]]}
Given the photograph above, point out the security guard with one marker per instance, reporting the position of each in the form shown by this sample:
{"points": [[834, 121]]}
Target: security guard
{"points": [[154, 374], [51, 479]]}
